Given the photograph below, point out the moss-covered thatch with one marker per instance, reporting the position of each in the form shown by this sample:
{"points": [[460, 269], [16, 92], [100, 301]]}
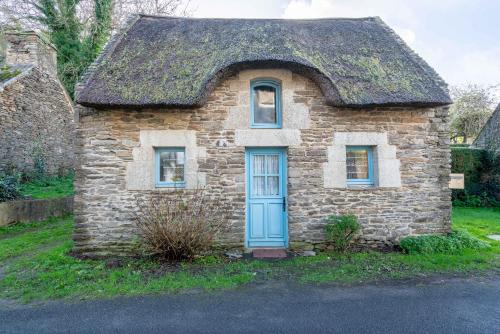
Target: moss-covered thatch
{"points": [[489, 137], [166, 61]]}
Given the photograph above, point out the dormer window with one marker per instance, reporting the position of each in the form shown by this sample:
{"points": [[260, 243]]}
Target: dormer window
{"points": [[265, 103]]}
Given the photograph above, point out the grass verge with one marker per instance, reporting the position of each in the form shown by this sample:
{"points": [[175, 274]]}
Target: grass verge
{"points": [[33, 240], [36, 265]]}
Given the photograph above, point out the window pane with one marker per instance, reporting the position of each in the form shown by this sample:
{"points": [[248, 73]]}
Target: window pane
{"points": [[258, 164], [272, 164], [172, 166], [264, 104], [258, 185], [273, 187], [357, 164]]}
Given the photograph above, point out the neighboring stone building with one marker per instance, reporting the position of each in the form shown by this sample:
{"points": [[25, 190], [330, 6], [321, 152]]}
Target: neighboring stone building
{"points": [[285, 121], [36, 114], [489, 137]]}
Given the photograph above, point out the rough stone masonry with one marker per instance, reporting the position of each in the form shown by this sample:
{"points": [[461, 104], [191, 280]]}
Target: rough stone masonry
{"points": [[115, 163], [36, 114]]}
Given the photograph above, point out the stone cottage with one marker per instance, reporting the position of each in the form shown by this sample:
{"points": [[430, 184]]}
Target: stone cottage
{"points": [[285, 121], [36, 114], [489, 137]]}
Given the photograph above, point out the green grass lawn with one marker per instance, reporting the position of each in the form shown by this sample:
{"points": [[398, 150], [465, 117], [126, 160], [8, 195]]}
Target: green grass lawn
{"points": [[35, 265], [479, 222], [48, 187]]}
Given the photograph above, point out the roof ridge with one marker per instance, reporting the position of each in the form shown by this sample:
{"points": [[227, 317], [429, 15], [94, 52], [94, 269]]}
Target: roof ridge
{"points": [[108, 48], [373, 18]]}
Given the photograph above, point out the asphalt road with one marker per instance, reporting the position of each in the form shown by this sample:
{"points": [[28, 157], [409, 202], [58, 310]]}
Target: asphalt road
{"points": [[451, 306]]}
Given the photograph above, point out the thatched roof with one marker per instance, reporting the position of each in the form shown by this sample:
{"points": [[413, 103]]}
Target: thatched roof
{"points": [[489, 136], [168, 61]]}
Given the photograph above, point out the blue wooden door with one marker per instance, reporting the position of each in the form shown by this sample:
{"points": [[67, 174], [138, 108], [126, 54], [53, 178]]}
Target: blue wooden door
{"points": [[266, 197]]}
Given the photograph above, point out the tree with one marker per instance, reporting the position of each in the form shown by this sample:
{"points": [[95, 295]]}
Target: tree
{"points": [[80, 28], [123, 8], [472, 106], [64, 29], [61, 21], [25, 12], [100, 29]]}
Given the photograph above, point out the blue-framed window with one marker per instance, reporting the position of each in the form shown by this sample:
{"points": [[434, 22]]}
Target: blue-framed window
{"points": [[170, 167], [359, 162], [265, 103]]}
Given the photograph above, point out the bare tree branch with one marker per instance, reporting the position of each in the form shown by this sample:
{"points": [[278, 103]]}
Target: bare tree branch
{"points": [[23, 13], [124, 8]]}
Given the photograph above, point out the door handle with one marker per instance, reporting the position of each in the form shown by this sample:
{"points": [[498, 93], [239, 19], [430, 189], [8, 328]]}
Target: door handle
{"points": [[284, 203]]}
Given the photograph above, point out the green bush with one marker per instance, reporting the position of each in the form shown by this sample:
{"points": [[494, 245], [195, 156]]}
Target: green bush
{"points": [[467, 161], [474, 201], [340, 231], [481, 171], [455, 242], [9, 188]]}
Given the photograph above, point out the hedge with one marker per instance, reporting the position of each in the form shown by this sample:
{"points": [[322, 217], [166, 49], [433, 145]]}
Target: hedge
{"points": [[469, 162], [481, 173]]}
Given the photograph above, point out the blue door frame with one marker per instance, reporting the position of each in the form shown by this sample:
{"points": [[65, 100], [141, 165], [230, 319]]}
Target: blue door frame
{"points": [[267, 213]]}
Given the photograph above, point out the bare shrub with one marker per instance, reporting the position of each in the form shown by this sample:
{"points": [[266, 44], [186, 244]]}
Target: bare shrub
{"points": [[179, 224]]}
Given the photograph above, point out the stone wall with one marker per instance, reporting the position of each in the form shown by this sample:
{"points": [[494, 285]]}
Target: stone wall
{"points": [[418, 202], [36, 119], [30, 210], [29, 48]]}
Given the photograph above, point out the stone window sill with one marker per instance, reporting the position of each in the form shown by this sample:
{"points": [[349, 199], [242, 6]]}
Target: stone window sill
{"points": [[361, 187]]}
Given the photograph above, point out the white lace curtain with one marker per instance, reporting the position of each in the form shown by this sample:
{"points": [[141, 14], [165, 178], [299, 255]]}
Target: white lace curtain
{"points": [[265, 175]]}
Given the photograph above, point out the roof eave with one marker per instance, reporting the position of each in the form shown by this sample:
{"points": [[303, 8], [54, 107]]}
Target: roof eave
{"points": [[164, 105]]}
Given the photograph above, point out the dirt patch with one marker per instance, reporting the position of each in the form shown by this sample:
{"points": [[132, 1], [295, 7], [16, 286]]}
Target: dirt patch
{"points": [[162, 269]]}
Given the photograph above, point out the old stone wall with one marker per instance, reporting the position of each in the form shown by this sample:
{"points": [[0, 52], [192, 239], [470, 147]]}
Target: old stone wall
{"points": [[112, 151], [29, 48], [31, 210], [36, 122]]}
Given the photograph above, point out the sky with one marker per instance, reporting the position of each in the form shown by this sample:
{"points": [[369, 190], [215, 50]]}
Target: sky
{"points": [[459, 38]]}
